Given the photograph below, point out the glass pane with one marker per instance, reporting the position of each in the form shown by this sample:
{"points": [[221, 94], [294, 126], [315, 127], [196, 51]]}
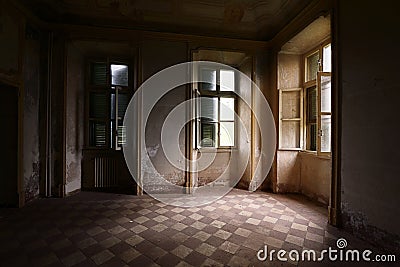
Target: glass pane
{"points": [[312, 137], [311, 104], [209, 108], [326, 133], [112, 106], [312, 66], [97, 133], [227, 80], [119, 75], [290, 104], [98, 73], [227, 108], [208, 135], [98, 105], [325, 93], [290, 134], [112, 133], [327, 59], [227, 134], [210, 76], [123, 101]]}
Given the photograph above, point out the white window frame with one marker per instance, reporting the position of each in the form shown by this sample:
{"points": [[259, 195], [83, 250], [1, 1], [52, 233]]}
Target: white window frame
{"points": [[316, 82], [320, 114], [214, 94]]}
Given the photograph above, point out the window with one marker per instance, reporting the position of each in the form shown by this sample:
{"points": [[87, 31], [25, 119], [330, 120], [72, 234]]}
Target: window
{"points": [[317, 100], [108, 90], [305, 113], [215, 126]]}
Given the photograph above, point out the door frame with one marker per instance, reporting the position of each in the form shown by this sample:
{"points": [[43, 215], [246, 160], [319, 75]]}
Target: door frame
{"points": [[20, 139]]}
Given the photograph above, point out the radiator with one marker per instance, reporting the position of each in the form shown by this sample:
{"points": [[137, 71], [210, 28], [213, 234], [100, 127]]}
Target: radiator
{"points": [[105, 172]]}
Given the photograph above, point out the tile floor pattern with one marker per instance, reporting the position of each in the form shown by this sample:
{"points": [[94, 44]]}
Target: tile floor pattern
{"points": [[98, 229]]}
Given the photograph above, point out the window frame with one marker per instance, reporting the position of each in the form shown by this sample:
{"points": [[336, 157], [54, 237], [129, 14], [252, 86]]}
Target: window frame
{"points": [[322, 113], [111, 142], [306, 86], [217, 93], [283, 120]]}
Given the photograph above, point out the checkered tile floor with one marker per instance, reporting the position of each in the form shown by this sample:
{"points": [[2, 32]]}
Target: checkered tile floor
{"points": [[91, 229]]}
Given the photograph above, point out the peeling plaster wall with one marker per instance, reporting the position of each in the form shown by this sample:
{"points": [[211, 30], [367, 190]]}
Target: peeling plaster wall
{"points": [[75, 96], [315, 181], [20, 66], [31, 118], [244, 133], [262, 79], [215, 170], [369, 82], [157, 55], [289, 172], [57, 122]]}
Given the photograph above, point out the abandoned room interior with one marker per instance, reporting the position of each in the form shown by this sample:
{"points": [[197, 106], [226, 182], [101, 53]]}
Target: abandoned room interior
{"points": [[323, 169]]}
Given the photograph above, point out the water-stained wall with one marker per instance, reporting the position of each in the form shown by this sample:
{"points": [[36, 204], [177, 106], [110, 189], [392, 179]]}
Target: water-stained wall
{"points": [[31, 74], [75, 97], [245, 113], [157, 55]]}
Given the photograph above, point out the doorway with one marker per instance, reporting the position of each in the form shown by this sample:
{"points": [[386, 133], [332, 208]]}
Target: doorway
{"points": [[9, 136]]}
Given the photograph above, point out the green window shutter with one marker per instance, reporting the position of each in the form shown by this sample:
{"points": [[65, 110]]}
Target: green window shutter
{"points": [[98, 73]]}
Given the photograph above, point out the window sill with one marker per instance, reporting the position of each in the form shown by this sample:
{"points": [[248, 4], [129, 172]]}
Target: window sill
{"points": [[218, 150], [315, 154], [290, 149]]}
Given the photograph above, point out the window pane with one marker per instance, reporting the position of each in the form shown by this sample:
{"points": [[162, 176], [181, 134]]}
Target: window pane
{"points": [[98, 105], [98, 72], [312, 66], [227, 108], [119, 75], [325, 94], [208, 135], [112, 133], [210, 78], [123, 101], [312, 104], [290, 134], [312, 137], [112, 106], [227, 80], [227, 134], [97, 133], [209, 108], [326, 133], [327, 59]]}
